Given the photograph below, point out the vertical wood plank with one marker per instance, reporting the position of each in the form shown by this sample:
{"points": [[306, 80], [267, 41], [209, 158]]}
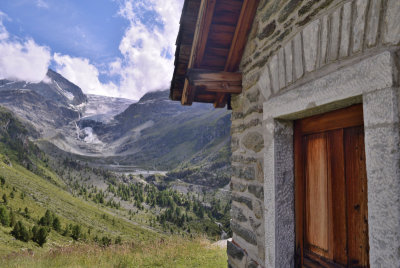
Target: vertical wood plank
{"points": [[317, 192], [357, 211], [338, 185]]}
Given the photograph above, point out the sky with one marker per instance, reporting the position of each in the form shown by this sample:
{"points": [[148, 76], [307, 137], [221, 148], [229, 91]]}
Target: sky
{"points": [[118, 48]]}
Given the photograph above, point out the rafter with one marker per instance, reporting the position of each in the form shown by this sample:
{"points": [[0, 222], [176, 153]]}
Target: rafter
{"points": [[204, 20]]}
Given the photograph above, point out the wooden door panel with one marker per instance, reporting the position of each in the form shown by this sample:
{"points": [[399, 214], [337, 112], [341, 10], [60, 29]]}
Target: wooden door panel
{"points": [[337, 178], [317, 203], [331, 190], [357, 212]]}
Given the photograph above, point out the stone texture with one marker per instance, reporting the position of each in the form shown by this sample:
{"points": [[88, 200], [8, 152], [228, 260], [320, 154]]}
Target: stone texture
{"points": [[298, 56], [238, 186], [246, 173], [253, 141], [273, 67], [373, 22], [359, 24], [258, 209], [310, 41], [256, 190], [243, 200], [289, 62], [382, 107], [391, 32], [264, 83], [324, 40], [334, 35], [244, 233], [281, 68], [234, 251], [372, 73], [383, 172], [237, 214], [345, 31]]}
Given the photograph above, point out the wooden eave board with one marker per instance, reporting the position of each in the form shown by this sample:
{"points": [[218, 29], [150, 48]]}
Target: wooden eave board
{"points": [[217, 44]]}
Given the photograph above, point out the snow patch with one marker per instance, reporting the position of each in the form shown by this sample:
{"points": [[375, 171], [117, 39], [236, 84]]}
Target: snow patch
{"points": [[67, 94]]}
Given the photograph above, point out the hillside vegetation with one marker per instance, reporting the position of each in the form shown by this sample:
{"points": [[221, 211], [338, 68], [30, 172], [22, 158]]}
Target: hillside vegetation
{"points": [[50, 214]]}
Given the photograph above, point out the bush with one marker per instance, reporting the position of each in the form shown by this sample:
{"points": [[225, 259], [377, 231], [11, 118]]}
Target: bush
{"points": [[39, 235], [57, 224], [47, 219], [4, 216], [20, 232], [76, 232], [105, 241]]}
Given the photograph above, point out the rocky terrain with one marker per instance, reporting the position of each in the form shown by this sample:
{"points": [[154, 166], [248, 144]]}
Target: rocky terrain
{"points": [[190, 144]]}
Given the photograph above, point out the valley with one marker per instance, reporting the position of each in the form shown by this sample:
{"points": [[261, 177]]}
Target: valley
{"points": [[112, 171]]}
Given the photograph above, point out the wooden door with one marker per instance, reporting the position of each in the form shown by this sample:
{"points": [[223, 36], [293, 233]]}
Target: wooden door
{"points": [[331, 190]]}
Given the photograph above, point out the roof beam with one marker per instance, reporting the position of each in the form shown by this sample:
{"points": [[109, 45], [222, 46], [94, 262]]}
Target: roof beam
{"points": [[239, 41], [246, 17], [213, 81], [203, 24]]}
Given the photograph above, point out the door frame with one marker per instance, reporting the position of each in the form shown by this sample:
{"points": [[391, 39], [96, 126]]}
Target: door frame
{"points": [[351, 116], [378, 91]]}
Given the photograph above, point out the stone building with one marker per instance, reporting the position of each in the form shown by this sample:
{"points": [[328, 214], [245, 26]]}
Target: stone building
{"points": [[314, 90]]}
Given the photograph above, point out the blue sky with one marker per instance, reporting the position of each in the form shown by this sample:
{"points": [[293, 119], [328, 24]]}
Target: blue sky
{"points": [[117, 48]]}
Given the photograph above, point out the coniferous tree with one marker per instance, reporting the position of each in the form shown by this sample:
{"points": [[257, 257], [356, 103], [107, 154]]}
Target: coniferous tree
{"points": [[4, 216], [20, 232]]}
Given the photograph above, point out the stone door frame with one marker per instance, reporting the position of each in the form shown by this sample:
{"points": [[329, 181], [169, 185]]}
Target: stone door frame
{"points": [[374, 82]]}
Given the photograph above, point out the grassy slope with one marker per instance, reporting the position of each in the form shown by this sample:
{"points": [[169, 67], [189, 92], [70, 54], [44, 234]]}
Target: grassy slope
{"points": [[169, 253]]}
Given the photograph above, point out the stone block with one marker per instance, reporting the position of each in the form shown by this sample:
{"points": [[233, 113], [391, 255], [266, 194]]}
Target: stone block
{"points": [[234, 251], [246, 173], [289, 62], [238, 186], [298, 56], [334, 35], [373, 22], [237, 214], [258, 209], [359, 24], [310, 42], [273, 67], [383, 172], [253, 141], [281, 68], [253, 94], [264, 83], [244, 233], [381, 107], [256, 190], [391, 32], [345, 31], [324, 40], [242, 200]]}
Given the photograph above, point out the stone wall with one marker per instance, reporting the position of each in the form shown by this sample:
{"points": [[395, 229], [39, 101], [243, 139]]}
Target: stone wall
{"points": [[292, 42]]}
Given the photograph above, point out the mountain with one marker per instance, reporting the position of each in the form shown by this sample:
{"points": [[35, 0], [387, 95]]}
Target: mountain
{"points": [[190, 144], [156, 133], [103, 109], [52, 103]]}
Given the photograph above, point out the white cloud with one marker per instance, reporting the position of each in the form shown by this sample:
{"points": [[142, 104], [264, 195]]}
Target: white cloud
{"points": [[84, 74], [3, 31], [21, 60], [25, 61], [42, 4], [147, 50]]}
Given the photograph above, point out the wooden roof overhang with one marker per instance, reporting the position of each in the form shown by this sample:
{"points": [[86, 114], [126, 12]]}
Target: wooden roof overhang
{"points": [[209, 48]]}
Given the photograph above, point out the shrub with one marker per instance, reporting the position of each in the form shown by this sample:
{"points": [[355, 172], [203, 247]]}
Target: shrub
{"points": [[76, 232], [105, 241], [39, 235], [4, 216], [57, 224], [20, 232]]}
